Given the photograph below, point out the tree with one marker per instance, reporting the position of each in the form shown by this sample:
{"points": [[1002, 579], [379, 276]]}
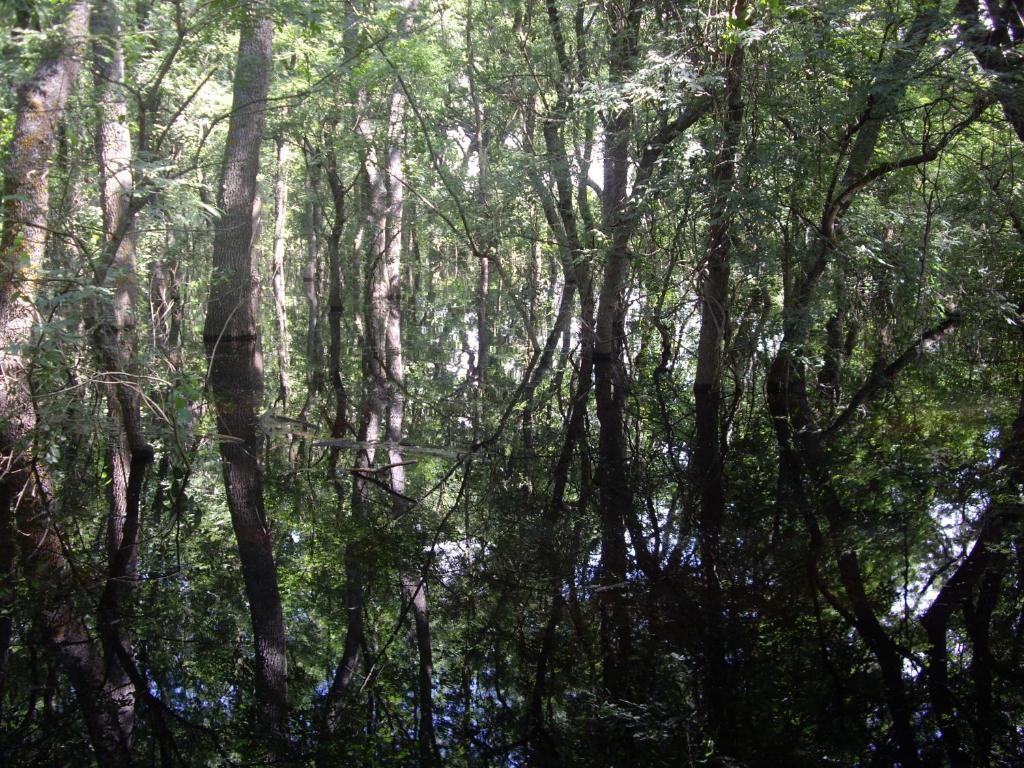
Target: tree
{"points": [[231, 337], [647, 383], [25, 493]]}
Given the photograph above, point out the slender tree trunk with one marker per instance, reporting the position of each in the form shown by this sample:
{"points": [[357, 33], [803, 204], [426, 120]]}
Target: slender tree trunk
{"points": [[414, 589], [66, 631], [483, 290], [369, 200], [887, 654], [374, 403], [978, 618], [545, 746], [115, 339], [483, 329], [615, 493], [800, 445], [231, 335], [165, 300], [278, 281], [355, 554], [311, 282], [160, 304], [707, 389], [562, 221], [982, 564]]}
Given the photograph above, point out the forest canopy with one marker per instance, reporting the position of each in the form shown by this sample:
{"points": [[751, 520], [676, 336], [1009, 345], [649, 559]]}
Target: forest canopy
{"points": [[512, 382]]}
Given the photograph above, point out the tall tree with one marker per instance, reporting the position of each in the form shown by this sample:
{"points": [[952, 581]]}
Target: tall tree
{"points": [[670, 384], [707, 382], [414, 587], [231, 336], [26, 488], [800, 446]]}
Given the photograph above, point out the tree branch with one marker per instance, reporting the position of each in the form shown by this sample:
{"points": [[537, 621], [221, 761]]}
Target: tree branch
{"points": [[881, 378]]}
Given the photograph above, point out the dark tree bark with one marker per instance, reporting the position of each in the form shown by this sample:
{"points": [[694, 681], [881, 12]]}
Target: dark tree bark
{"points": [[231, 336], [355, 554], [615, 492], [621, 207], [707, 389], [372, 407], [369, 338], [561, 217], [981, 569]]}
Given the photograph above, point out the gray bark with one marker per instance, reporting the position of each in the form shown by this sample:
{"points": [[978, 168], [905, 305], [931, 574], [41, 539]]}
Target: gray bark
{"points": [[414, 589]]}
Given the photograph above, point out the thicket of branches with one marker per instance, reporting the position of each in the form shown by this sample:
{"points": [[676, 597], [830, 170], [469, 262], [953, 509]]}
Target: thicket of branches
{"points": [[508, 382]]}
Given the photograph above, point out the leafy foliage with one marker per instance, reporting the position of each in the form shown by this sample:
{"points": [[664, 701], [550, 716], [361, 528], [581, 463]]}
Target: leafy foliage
{"points": [[903, 452]]}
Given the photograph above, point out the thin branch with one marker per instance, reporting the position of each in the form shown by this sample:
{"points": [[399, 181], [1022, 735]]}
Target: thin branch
{"points": [[842, 200], [882, 378]]}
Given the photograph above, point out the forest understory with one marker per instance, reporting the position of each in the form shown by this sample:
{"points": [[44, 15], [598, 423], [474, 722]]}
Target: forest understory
{"points": [[512, 383]]}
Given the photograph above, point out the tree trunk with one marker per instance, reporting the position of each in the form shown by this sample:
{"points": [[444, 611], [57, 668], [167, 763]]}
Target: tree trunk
{"points": [[615, 492], [993, 44], [25, 488], [231, 336], [278, 281], [707, 390], [369, 198], [982, 564], [801, 448], [160, 304], [354, 550], [374, 402], [483, 332], [561, 218], [310, 283], [414, 589], [115, 340], [483, 289], [165, 300]]}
